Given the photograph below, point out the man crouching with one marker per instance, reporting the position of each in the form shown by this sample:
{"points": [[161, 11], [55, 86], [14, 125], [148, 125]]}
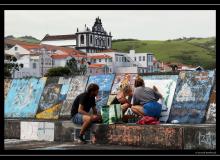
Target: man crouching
{"points": [[81, 107]]}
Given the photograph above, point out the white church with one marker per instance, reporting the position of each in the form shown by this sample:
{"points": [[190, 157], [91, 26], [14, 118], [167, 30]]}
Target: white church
{"points": [[87, 40]]}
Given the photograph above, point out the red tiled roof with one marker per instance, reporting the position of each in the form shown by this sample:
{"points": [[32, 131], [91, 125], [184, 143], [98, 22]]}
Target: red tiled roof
{"points": [[58, 37], [30, 46], [99, 56], [59, 56], [96, 65]]}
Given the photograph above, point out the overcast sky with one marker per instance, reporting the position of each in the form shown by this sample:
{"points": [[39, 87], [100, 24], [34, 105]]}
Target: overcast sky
{"points": [[139, 24]]}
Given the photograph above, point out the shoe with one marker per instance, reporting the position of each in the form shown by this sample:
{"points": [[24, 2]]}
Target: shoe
{"points": [[82, 139]]}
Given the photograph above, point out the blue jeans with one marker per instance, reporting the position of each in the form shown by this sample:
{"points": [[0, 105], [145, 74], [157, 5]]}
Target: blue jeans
{"points": [[78, 119], [152, 109]]}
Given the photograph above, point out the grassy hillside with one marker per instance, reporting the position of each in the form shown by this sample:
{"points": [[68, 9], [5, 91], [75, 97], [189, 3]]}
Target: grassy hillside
{"points": [[193, 51], [28, 39]]}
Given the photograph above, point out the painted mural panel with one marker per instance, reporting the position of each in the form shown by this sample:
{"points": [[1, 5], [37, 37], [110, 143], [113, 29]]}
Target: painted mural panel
{"points": [[37, 131], [105, 84], [65, 82], [191, 96], [166, 85], [50, 96], [23, 97], [122, 79], [7, 84], [211, 113], [77, 86]]}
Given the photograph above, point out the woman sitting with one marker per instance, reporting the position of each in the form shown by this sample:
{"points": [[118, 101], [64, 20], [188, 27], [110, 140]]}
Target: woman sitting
{"points": [[120, 98]]}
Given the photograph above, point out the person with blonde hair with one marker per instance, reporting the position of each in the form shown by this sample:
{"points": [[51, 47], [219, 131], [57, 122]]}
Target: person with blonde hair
{"points": [[120, 98], [144, 100]]}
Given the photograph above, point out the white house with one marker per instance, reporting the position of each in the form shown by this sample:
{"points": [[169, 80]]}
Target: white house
{"points": [[125, 62], [60, 40]]}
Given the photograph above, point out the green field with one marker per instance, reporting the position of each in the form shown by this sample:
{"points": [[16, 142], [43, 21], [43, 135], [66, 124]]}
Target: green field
{"points": [[196, 51]]}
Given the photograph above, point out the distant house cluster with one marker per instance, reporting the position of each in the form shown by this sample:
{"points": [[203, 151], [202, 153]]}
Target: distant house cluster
{"points": [[89, 46]]}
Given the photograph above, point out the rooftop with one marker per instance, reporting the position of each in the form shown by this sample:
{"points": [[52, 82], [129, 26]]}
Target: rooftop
{"points": [[58, 37]]}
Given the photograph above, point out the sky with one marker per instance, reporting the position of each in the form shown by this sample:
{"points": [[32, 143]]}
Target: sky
{"points": [[137, 24]]}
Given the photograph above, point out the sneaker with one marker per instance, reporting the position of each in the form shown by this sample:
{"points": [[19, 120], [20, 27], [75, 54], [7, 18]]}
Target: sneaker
{"points": [[82, 139]]}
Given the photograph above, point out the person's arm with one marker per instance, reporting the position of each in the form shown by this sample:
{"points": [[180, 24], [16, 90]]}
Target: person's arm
{"points": [[94, 110], [81, 110]]}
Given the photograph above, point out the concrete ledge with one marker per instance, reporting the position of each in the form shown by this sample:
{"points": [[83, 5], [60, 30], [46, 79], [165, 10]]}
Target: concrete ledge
{"points": [[163, 136]]}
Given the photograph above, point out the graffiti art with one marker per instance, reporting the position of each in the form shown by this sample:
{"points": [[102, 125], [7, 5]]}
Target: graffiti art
{"points": [[191, 96], [23, 97], [77, 86]]}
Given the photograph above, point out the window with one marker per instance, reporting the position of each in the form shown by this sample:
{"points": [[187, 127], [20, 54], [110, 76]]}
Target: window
{"points": [[139, 58], [82, 39], [110, 60], [135, 59], [34, 65], [96, 42], [94, 60], [108, 42], [91, 39], [100, 60], [116, 58], [105, 59], [16, 48], [143, 58]]}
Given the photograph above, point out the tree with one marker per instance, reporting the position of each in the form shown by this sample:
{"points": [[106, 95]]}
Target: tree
{"points": [[76, 68], [11, 66], [58, 71]]}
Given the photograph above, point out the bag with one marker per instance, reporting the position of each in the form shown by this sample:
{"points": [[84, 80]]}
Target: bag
{"points": [[130, 116], [111, 114], [148, 120]]}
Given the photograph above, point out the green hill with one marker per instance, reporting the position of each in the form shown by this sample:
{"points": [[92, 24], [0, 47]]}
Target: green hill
{"points": [[28, 39], [189, 51]]}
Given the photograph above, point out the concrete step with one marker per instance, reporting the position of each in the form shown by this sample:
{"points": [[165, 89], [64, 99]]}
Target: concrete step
{"points": [[163, 136]]}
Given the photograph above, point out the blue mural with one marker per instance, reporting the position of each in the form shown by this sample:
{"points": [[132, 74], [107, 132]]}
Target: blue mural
{"points": [[23, 97], [105, 83], [191, 96], [65, 81]]}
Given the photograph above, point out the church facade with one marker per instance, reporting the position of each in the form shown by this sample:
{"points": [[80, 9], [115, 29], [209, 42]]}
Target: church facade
{"points": [[87, 40]]}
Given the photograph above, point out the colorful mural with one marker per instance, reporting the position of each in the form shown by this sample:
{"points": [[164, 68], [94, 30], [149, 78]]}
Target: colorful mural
{"points": [[7, 84], [191, 97], [166, 85], [105, 84], [65, 81], [23, 97], [77, 86], [50, 97], [122, 79]]}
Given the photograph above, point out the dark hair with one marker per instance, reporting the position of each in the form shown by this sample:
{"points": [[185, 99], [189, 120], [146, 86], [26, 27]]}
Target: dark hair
{"points": [[92, 87], [138, 82]]}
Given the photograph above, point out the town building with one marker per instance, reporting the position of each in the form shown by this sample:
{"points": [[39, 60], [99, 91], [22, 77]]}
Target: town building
{"points": [[86, 40]]}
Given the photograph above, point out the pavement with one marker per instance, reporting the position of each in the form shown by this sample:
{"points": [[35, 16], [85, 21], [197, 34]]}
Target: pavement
{"points": [[17, 144]]}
